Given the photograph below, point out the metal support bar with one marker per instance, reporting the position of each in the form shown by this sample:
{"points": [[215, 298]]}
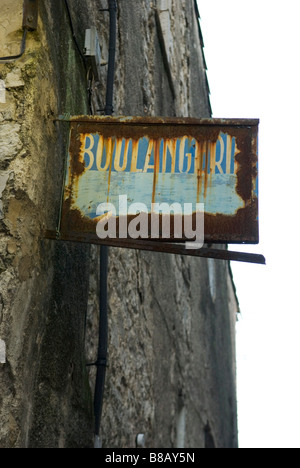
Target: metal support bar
{"points": [[180, 249], [30, 14], [170, 248]]}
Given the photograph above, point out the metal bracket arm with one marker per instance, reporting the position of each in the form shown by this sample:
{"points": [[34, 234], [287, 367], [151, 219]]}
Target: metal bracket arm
{"points": [[30, 14], [166, 247]]}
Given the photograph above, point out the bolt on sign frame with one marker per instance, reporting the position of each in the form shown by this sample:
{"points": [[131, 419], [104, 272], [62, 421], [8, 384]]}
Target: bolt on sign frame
{"points": [[163, 160]]}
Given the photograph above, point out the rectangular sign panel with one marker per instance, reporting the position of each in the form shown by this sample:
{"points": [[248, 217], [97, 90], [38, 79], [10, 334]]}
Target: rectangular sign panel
{"points": [[124, 176]]}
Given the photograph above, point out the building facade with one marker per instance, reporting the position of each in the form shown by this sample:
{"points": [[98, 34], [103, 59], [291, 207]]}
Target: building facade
{"points": [[171, 345]]}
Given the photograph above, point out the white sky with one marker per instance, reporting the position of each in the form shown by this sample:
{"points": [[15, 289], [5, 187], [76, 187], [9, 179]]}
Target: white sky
{"points": [[252, 54]]}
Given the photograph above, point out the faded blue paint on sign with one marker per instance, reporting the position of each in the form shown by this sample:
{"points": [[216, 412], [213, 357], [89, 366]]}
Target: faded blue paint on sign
{"points": [[185, 172], [156, 161]]}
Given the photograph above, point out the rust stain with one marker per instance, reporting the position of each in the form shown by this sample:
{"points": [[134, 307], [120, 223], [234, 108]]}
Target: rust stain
{"points": [[199, 165], [100, 152], [119, 143], [218, 228], [126, 147], [246, 169], [240, 227], [135, 148], [207, 146], [128, 127], [148, 156], [156, 167], [109, 149], [212, 150], [78, 165]]}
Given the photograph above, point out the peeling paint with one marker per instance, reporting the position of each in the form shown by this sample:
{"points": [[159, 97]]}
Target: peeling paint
{"points": [[210, 161]]}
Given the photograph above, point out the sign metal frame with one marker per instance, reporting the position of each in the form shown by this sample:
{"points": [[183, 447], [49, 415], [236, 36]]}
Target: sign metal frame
{"points": [[206, 136]]}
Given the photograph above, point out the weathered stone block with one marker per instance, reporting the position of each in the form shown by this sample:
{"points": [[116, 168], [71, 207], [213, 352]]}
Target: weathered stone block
{"points": [[10, 142]]}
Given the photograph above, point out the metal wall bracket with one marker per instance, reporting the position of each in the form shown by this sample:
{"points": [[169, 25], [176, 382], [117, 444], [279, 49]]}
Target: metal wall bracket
{"points": [[30, 14], [168, 248]]}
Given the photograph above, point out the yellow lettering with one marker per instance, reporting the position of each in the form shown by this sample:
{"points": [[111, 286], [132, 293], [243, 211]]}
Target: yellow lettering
{"points": [[148, 157], [89, 151], [228, 158], [135, 152], [169, 145], [199, 158], [119, 144], [222, 152], [107, 145], [182, 156]]}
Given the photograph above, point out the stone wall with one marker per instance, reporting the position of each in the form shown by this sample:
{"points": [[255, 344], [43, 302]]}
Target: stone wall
{"points": [[171, 371]]}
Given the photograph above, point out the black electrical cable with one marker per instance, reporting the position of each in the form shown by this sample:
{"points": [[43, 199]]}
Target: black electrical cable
{"points": [[22, 51], [103, 320], [102, 343], [73, 33], [80, 51], [112, 56]]}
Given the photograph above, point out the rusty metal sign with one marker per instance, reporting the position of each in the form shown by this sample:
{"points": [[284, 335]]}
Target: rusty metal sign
{"points": [[161, 162]]}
